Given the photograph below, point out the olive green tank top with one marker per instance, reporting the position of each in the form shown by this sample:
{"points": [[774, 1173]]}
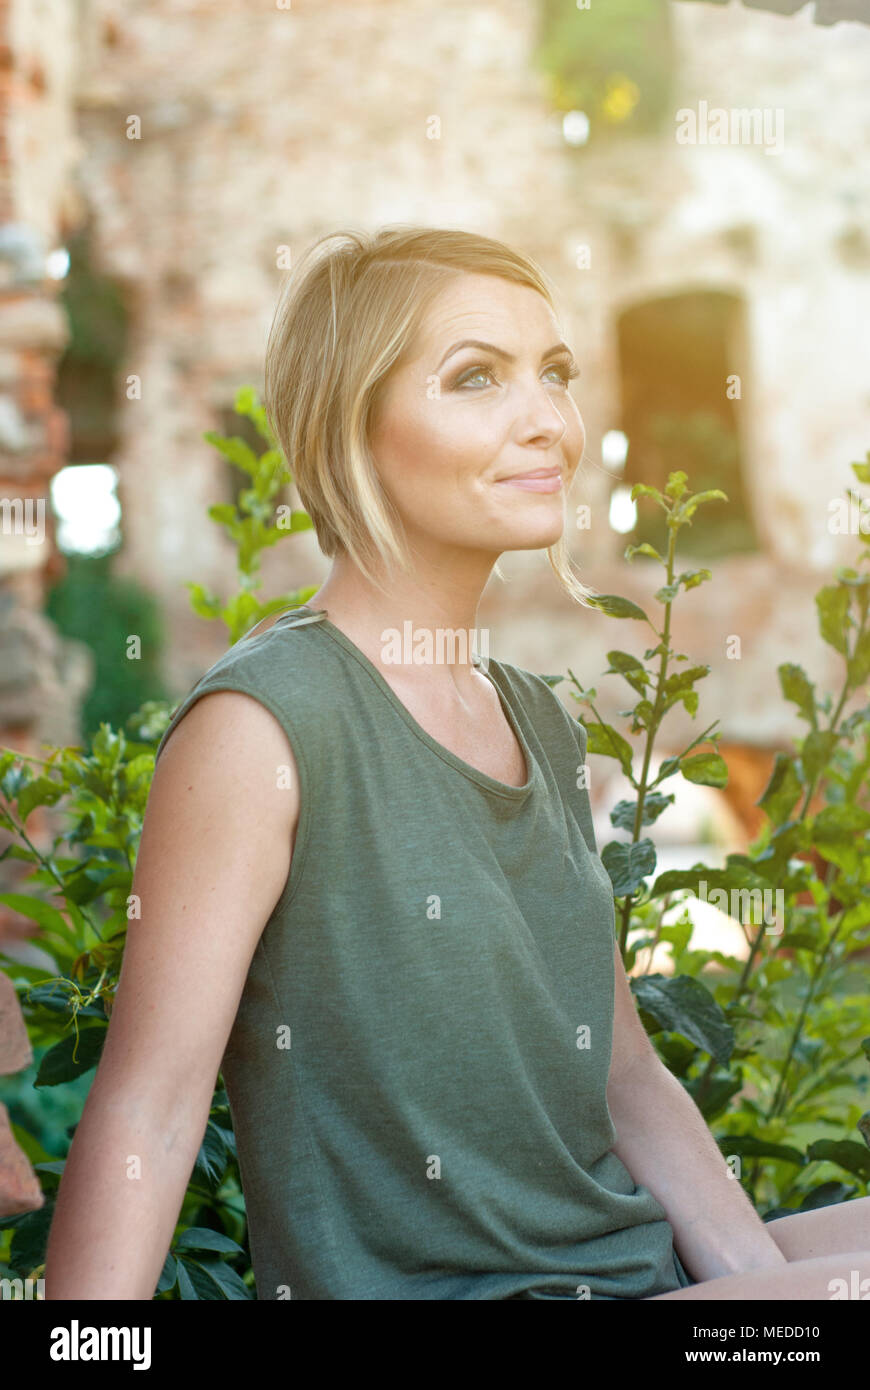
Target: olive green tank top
{"points": [[417, 1069]]}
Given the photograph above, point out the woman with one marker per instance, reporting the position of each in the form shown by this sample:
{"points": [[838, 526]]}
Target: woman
{"points": [[369, 889]]}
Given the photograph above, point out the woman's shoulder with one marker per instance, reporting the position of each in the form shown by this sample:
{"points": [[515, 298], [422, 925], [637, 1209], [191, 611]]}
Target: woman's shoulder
{"points": [[274, 654], [539, 698], [276, 665]]}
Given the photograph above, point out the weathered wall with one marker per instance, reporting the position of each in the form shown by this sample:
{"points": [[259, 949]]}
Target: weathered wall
{"points": [[262, 129]]}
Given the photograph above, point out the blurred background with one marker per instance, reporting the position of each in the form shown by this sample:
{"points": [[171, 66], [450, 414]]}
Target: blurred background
{"points": [[692, 175]]}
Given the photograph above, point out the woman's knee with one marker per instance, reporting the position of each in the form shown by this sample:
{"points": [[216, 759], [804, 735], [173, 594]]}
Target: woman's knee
{"points": [[806, 1235], [845, 1275]]}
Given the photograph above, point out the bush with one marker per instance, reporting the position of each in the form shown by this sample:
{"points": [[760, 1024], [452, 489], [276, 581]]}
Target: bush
{"points": [[81, 901], [772, 1049]]}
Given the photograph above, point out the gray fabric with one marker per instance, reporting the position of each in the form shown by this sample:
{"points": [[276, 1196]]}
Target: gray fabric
{"points": [[438, 1126]]}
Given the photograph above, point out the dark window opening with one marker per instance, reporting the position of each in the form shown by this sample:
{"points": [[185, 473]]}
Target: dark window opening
{"points": [[677, 356]]}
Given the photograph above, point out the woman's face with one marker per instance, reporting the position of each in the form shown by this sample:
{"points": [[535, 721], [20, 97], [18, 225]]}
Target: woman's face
{"points": [[459, 429]]}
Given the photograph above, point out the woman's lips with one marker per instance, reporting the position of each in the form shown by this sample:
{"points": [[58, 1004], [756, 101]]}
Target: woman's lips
{"points": [[550, 482]]}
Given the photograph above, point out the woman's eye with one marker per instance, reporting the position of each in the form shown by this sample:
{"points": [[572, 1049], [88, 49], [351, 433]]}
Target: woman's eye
{"points": [[564, 373], [470, 375]]}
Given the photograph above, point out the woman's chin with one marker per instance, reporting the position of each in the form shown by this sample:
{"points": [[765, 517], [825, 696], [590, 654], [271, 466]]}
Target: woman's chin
{"points": [[533, 537]]}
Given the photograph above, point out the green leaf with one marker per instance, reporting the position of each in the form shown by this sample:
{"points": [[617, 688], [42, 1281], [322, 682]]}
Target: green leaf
{"points": [[668, 768], [228, 1281], [207, 605], [213, 1157], [835, 831], [691, 505], [235, 449], [841, 823], [645, 490], [642, 714], [211, 1280], [683, 1005], [683, 680], [186, 1284], [628, 666], [799, 941], [614, 606], [47, 916], [856, 916], [42, 791], [643, 549], [827, 1195], [30, 1238], [620, 662], [53, 1168], [692, 578], [602, 738], [798, 689], [628, 865], [84, 887], [14, 777], [748, 1146], [55, 995], [203, 1238], [738, 873], [168, 1275], [816, 750], [29, 1145], [655, 803], [777, 861], [862, 470], [832, 603], [59, 1064], [859, 663], [706, 769], [248, 403], [717, 1093], [782, 790], [18, 971], [854, 1157], [676, 484], [299, 521], [224, 512]]}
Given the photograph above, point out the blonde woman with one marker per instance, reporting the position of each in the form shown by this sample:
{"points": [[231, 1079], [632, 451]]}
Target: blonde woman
{"points": [[370, 892]]}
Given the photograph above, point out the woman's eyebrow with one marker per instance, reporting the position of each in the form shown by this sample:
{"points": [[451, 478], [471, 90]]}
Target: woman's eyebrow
{"points": [[500, 352]]}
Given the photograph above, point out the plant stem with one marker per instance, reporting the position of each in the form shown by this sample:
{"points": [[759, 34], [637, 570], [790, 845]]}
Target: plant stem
{"points": [[651, 730]]}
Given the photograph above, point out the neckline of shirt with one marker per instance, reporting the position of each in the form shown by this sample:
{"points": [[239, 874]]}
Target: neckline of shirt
{"points": [[318, 618]]}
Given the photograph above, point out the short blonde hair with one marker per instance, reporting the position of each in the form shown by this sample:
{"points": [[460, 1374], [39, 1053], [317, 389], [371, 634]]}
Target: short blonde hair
{"points": [[349, 309]]}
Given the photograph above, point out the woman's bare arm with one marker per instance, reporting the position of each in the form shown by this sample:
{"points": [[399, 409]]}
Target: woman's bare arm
{"points": [[214, 857], [664, 1142]]}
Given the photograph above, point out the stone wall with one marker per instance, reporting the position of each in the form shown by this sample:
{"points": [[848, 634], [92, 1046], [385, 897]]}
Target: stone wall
{"points": [[42, 676], [261, 129]]}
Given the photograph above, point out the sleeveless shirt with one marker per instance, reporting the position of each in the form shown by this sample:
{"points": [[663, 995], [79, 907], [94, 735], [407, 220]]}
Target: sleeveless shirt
{"points": [[417, 1069]]}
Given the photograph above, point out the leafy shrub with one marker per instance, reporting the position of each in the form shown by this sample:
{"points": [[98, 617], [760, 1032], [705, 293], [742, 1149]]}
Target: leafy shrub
{"points": [[771, 1048], [80, 900]]}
